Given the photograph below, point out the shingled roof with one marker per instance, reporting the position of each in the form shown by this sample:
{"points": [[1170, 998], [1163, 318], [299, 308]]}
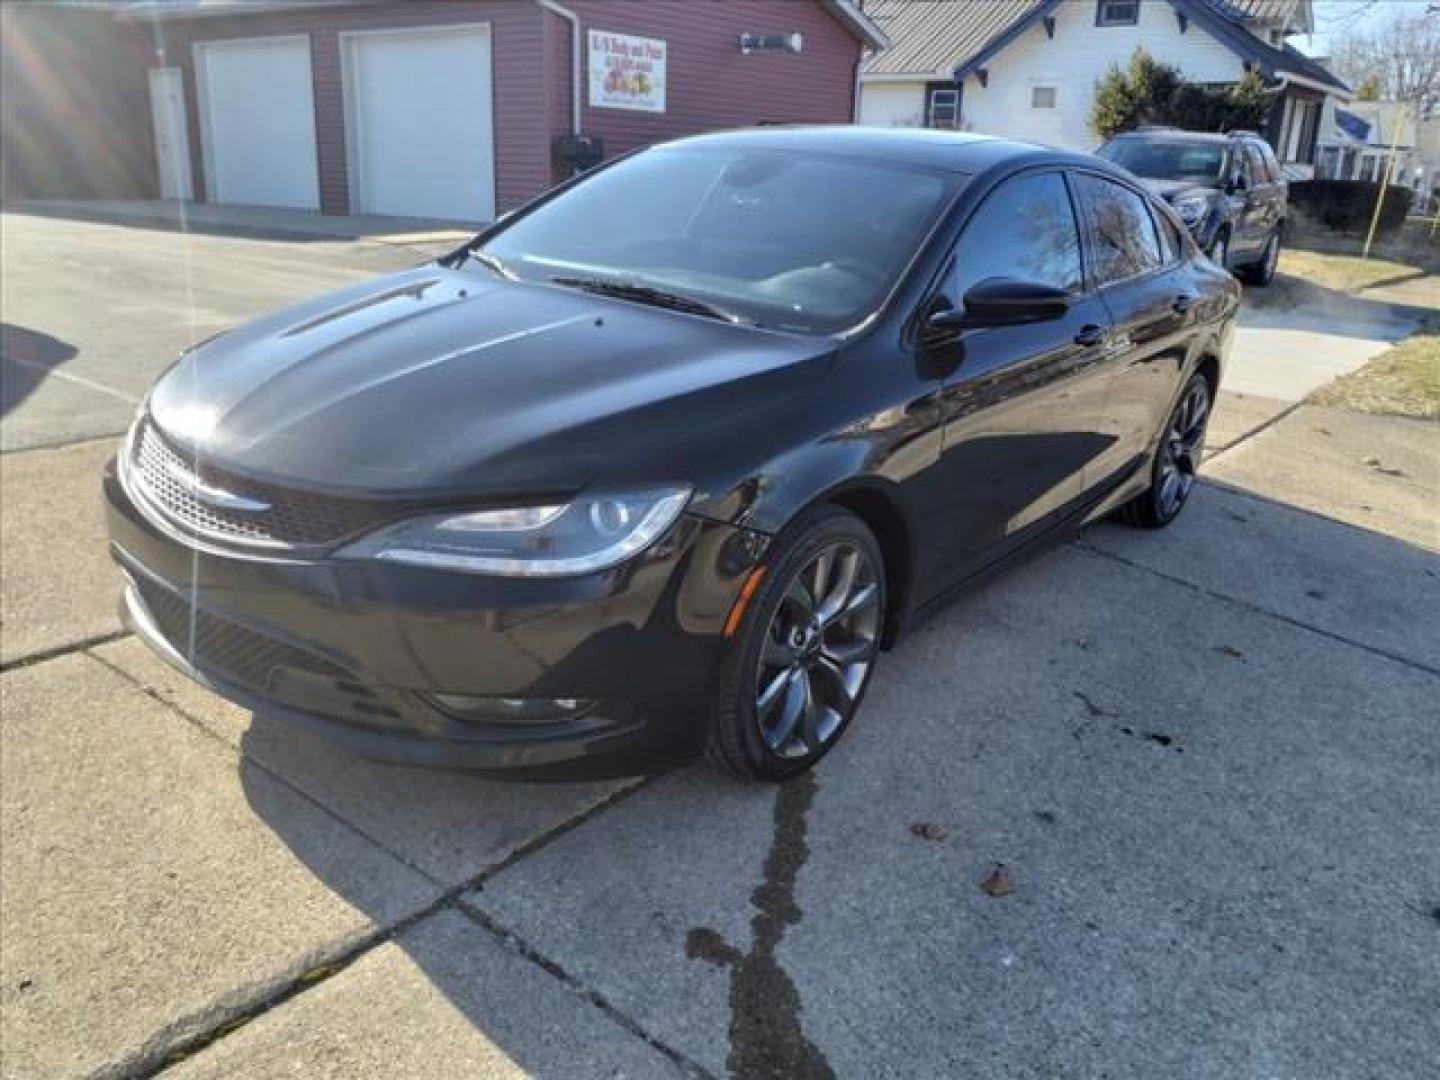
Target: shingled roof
{"points": [[945, 40], [933, 39]]}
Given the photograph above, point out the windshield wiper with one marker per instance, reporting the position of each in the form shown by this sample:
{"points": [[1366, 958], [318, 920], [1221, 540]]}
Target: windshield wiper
{"points": [[490, 262], [648, 294]]}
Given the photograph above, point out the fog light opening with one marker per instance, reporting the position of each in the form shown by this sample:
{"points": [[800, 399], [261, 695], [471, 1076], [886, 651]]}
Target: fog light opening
{"points": [[522, 712]]}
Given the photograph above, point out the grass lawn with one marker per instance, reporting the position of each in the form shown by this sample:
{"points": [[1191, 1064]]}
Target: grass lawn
{"points": [[1402, 381], [1347, 273]]}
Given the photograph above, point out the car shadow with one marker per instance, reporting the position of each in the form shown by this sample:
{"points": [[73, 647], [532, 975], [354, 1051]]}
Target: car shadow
{"points": [[26, 359], [1022, 754], [1291, 303]]}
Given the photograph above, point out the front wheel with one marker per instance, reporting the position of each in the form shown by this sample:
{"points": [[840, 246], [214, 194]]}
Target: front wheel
{"points": [[1263, 272], [1177, 460], [796, 671]]}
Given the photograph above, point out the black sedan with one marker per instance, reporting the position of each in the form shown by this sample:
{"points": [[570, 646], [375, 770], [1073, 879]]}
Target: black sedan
{"points": [[660, 463]]}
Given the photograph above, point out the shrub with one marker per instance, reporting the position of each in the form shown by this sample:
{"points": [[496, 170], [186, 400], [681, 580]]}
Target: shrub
{"points": [[1149, 92], [1347, 205]]}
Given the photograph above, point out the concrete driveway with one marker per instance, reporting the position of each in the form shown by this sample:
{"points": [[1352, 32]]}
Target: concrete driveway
{"points": [[1198, 771]]}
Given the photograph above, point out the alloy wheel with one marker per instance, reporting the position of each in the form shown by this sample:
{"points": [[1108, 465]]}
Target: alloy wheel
{"points": [[1180, 453], [818, 649]]}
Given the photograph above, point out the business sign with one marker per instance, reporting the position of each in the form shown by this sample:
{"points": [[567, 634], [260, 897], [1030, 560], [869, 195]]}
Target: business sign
{"points": [[626, 72]]}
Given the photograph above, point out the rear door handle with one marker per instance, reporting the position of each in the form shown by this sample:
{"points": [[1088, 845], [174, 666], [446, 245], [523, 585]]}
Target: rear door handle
{"points": [[1090, 334], [1181, 303]]}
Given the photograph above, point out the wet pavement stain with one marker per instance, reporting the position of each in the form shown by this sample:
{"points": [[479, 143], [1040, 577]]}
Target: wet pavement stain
{"points": [[766, 1039]]}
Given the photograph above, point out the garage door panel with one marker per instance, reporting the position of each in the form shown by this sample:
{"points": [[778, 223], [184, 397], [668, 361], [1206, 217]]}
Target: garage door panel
{"points": [[258, 111], [419, 108]]}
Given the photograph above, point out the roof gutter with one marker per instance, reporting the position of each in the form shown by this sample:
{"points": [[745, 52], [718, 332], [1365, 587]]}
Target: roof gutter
{"points": [[860, 24], [575, 92], [1284, 77]]}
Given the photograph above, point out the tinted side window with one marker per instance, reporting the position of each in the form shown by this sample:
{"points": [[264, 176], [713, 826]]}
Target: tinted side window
{"points": [[1170, 241], [1272, 167], [1025, 229], [1255, 167], [1122, 234]]}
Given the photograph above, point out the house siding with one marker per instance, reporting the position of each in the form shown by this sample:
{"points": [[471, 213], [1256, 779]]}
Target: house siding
{"points": [[893, 104], [518, 56], [1073, 61], [74, 105], [710, 83]]}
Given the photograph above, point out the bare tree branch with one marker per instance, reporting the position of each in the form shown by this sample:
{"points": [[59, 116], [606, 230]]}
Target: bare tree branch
{"points": [[1402, 53]]}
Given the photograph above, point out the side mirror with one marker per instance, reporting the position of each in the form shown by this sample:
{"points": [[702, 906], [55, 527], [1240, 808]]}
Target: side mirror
{"points": [[1001, 301]]}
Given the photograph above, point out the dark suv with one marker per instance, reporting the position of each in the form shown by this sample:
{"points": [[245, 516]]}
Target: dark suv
{"points": [[1228, 189]]}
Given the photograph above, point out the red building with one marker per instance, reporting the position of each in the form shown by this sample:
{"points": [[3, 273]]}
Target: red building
{"points": [[461, 109]]}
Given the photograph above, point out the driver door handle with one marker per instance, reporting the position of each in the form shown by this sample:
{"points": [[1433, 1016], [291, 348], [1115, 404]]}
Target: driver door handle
{"points": [[1090, 334]]}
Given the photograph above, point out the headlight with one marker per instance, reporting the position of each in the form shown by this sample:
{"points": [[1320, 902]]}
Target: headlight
{"points": [[589, 534], [1192, 208]]}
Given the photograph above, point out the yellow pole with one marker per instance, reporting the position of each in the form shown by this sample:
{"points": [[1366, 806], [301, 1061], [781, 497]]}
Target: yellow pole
{"points": [[1385, 181]]}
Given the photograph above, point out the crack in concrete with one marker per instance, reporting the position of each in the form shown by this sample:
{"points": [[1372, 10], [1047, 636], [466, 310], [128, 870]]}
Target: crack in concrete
{"points": [[180, 1040], [57, 651], [520, 946], [766, 1037], [1246, 436], [1374, 650]]}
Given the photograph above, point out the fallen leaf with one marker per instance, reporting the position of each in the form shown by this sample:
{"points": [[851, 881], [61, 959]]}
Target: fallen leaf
{"points": [[997, 882], [1229, 650], [928, 830]]}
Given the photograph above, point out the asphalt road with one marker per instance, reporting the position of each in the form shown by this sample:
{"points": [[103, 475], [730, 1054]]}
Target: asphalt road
{"points": [[1199, 770]]}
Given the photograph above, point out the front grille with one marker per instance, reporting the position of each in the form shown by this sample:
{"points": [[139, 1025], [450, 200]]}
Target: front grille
{"points": [[176, 488]]}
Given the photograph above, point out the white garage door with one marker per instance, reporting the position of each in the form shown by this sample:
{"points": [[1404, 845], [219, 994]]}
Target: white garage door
{"points": [[420, 130], [257, 112]]}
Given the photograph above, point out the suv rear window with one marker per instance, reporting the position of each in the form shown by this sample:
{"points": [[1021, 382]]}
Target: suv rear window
{"points": [[1191, 160]]}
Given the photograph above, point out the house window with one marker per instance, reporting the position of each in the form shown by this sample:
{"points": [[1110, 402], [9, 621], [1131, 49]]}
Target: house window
{"points": [[1370, 167], [1117, 12], [1042, 97], [942, 107]]}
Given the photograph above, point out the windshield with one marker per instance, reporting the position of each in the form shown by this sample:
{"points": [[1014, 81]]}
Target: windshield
{"points": [[782, 239], [1196, 162]]}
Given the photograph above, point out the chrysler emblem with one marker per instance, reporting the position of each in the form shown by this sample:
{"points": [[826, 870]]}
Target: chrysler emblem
{"points": [[209, 494]]}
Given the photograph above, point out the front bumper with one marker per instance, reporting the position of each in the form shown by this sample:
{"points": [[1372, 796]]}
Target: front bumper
{"points": [[357, 650]]}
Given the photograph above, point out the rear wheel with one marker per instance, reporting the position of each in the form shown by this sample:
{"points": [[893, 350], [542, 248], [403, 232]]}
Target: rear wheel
{"points": [[1177, 460], [1263, 272], [798, 668]]}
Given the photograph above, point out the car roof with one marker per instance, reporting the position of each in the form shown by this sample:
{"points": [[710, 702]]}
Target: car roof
{"points": [[1180, 135], [955, 151]]}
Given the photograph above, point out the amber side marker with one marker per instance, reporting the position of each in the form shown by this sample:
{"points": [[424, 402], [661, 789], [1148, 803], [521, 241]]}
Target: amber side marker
{"points": [[743, 601]]}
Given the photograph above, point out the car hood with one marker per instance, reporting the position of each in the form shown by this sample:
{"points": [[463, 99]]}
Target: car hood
{"points": [[1170, 190], [438, 382]]}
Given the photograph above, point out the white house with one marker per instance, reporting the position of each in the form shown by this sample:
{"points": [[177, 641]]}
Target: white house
{"points": [[1027, 68], [1356, 142]]}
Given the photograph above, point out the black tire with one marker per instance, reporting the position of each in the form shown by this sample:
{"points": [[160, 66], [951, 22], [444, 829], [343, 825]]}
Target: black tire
{"points": [[1177, 460], [748, 744], [1262, 273]]}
